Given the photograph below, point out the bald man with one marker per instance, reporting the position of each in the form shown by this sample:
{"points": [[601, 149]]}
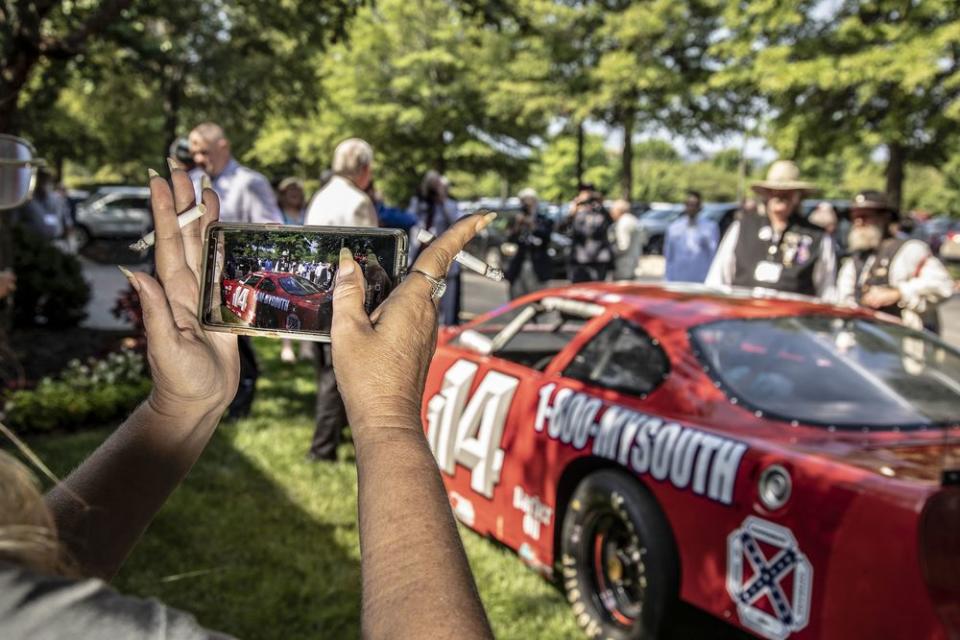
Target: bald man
{"points": [[245, 195]]}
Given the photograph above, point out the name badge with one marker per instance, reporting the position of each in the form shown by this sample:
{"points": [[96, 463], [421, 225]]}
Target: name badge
{"points": [[768, 272]]}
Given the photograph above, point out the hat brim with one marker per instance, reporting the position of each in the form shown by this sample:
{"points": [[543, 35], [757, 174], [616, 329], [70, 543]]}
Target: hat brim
{"points": [[764, 187]]}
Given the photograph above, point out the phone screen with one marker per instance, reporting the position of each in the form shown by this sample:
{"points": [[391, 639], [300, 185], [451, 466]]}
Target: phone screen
{"points": [[280, 281]]}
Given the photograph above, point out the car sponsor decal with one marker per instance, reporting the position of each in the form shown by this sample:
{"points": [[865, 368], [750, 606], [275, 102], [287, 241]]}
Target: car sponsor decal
{"points": [[273, 301], [535, 512], [469, 433], [688, 458], [463, 509], [758, 583]]}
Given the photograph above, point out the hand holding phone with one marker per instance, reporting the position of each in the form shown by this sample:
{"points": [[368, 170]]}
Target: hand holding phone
{"points": [[279, 281], [397, 340]]}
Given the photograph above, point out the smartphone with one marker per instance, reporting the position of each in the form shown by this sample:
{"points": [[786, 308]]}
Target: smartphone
{"points": [[278, 281]]}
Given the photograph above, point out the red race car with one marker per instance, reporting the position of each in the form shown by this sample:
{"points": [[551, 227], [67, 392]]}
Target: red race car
{"points": [[787, 466], [278, 300]]}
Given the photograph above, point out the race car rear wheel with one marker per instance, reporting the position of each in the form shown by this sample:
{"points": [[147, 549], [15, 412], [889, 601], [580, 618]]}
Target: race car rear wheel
{"points": [[620, 569]]}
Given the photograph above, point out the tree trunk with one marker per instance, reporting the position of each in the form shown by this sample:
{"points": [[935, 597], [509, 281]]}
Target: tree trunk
{"points": [[579, 153], [894, 173], [626, 179]]}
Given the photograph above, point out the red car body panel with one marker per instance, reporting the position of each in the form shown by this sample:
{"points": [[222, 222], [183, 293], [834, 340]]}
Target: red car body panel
{"points": [[858, 529], [247, 301]]}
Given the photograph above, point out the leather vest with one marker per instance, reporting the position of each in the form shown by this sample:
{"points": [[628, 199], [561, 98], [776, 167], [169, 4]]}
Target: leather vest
{"points": [[791, 257], [878, 274]]}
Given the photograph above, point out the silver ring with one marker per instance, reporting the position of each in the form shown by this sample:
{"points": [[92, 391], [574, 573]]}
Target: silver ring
{"points": [[439, 286]]}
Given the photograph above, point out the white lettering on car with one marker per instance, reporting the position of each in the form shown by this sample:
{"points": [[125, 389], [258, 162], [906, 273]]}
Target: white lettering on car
{"points": [[685, 457], [469, 433]]}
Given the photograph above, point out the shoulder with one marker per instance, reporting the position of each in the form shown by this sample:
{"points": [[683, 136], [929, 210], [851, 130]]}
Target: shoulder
{"points": [[36, 605]]}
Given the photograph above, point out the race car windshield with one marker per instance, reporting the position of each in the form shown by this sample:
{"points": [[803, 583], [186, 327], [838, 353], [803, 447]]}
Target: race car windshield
{"points": [[835, 372], [297, 286]]}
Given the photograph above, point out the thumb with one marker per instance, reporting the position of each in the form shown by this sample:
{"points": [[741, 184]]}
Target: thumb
{"points": [[157, 316], [348, 294]]}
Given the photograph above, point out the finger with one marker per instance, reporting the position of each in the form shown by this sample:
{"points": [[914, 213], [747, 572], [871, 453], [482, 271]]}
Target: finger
{"points": [[185, 198], [212, 202], [438, 256], [169, 244], [161, 329], [348, 297]]}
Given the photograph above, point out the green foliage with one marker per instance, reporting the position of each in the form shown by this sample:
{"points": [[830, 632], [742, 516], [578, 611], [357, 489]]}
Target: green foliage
{"points": [[83, 394], [51, 290], [554, 174], [424, 85], [849, 75], [258, 543]]}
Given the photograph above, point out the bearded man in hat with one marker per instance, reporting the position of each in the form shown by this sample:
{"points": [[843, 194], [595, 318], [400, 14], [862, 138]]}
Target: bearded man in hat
{"points": [[890, 274], [778, 249]]}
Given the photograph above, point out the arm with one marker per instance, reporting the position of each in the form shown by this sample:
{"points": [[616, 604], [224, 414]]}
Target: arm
{"points": [[846, 283], [103, 507], [416, 579], [724, 262], [825, 271], [263, 202], [921, 278]]}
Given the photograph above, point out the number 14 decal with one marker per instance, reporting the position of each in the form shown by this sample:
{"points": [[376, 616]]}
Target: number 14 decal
{"points": [[470, 433]]}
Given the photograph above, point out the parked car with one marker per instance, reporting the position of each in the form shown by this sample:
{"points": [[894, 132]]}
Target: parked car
{"points": [[721, 213], [934, 231], [653, 225], [279, 300], [789, 467], [113, 212], [948, 243]]}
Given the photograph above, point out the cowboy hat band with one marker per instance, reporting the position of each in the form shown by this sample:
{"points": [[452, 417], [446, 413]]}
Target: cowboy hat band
{"points": [[783, 175]]}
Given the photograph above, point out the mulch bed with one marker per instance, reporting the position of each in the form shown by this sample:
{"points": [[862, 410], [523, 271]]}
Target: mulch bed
{"points": [[44, 352]]}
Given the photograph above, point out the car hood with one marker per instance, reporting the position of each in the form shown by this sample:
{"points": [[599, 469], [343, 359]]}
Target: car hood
{"points": [[918, 456]]}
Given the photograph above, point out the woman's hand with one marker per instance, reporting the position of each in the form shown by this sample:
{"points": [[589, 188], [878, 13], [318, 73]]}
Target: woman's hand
{"points": [[193, 370], [381, 360]]}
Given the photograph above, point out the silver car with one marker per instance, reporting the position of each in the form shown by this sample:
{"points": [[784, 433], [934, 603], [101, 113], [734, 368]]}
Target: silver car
{"points": [[114, 212]]}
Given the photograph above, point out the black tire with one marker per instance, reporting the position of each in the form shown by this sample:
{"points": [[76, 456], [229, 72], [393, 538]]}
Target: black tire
{"points": [[292, 322], [613, 521]]}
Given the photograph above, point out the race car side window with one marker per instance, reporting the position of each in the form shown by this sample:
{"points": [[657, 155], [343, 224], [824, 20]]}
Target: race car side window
{"points": [[621, 356], [541, 338], [267, 285], [252, 281]]}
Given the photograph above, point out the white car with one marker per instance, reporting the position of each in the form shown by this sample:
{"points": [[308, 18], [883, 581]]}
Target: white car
{"points": [[114, 212]]}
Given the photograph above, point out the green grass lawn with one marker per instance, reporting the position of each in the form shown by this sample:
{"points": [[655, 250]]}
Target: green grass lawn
{"points": [[260, 543]]}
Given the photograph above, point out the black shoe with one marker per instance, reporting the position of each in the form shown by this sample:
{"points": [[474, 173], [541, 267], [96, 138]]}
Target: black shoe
{"points": [[316, 457]]}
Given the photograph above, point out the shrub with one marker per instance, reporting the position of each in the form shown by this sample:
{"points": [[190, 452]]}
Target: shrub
{"points": [[83, 394], [51, 290]]}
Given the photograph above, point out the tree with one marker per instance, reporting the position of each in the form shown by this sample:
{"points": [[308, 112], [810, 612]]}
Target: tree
{"points": [[427, 86], [157, 72], [851, 75], [653, 71]]}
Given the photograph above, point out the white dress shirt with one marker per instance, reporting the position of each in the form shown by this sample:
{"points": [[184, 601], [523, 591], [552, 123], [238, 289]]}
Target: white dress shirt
{"points": [[341, 204]]}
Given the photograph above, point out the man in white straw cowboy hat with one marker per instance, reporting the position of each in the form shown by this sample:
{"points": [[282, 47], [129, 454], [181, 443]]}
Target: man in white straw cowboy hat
{"points": [[900, 277], [778, 249]]}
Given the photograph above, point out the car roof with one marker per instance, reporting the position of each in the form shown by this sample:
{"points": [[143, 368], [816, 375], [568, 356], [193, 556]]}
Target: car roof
{"points": [[685, 305], [132, 190]]}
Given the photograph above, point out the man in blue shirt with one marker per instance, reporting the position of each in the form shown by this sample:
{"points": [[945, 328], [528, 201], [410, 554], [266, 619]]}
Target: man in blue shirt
{"points": [[690, 244], [245, 196]]}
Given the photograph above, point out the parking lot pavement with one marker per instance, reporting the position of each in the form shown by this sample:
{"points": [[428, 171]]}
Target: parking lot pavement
{"points": [[99, 263]]}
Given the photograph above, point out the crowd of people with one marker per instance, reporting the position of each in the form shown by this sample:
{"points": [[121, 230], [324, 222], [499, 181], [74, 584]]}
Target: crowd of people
{"points": [[97, 514], [770, 245]]}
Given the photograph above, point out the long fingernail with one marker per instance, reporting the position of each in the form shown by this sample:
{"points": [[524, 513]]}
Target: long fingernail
{"points": [[129, 275], [174, 165], [485, 220], [205, 182], [346, 268], [153, 174]]}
